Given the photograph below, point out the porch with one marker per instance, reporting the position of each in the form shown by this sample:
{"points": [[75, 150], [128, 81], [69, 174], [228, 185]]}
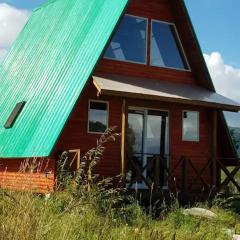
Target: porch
{"points": [[184, 177], [158, 152]]}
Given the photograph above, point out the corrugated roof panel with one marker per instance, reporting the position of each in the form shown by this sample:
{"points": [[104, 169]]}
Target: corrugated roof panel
{"points": [[48, 67]]}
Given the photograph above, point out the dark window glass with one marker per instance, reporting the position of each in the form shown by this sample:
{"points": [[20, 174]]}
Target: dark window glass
{"points": [[14, 114], [165, 47], [98, 117], [129, 43]]}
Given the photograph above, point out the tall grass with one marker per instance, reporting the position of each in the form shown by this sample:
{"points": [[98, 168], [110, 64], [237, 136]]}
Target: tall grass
{"points": [[87, 207]]}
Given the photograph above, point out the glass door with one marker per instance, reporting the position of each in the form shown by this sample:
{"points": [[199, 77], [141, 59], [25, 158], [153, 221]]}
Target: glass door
{"points": [[147, 138], [135, 146]]}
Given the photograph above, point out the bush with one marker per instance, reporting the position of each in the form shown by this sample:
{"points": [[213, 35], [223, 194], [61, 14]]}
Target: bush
{"points": [[87, 207]]}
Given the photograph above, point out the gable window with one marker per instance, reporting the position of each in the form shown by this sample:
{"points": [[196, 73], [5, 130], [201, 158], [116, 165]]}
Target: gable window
{"points": [[130, 42], [97, 116], [14, 115], [190, 126], [166, 49]]}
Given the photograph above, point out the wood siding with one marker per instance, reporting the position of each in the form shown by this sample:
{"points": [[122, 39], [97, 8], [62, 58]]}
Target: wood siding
{"points": [[76, 136]]}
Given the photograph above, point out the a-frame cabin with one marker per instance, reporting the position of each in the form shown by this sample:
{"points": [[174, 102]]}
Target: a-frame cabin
{"points": [[80, 66]]}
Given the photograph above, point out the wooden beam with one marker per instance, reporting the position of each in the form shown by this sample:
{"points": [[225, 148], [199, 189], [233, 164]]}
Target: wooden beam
{"points": [[97, 87], [185, 174], [214, 149], [145, 96], [77, 156], [123, 140], [157, 172]]}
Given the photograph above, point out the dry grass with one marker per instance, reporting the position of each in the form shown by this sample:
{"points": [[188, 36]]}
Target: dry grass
{"points": [[89, 209], [26, 216]]}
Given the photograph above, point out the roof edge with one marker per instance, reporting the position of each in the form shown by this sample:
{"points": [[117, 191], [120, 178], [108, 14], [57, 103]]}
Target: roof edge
{"points": [[211, 85], [198, 45]]}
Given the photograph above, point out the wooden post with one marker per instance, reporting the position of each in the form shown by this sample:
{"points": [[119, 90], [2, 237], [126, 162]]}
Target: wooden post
{"points": [[184, 174], [214, 150], [77, 157], [157, 172], [123, 140]]}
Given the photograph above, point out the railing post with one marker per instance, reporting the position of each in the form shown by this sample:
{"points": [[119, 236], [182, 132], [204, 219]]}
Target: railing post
{"points": [[184, 174], [214, 149], [157, 172], [123, 140]]}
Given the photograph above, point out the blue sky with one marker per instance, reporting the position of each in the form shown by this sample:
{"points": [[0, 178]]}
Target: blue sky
{"points": [[24, 4], [216, 23]]}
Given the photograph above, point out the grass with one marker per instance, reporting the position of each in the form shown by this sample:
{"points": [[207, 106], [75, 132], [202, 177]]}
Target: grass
{"points": [[86, 207], [64, 216]]}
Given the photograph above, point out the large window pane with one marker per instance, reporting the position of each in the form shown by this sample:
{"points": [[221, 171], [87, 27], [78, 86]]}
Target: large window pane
{"points": [[190, 126], [135, 131], [165, 47], [129, 43], [98, 117]]}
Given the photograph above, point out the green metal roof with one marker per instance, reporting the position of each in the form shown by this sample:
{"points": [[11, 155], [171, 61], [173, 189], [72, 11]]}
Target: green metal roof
{"points": [[48, 67]]}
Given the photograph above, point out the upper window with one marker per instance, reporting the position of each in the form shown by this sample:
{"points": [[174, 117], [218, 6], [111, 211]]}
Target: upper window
{"points": [[166, 50], [97, 117], [190, 126], [130, 42]]}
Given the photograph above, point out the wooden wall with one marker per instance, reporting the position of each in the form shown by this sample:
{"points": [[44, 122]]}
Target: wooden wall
{"points": [[75, 135]]}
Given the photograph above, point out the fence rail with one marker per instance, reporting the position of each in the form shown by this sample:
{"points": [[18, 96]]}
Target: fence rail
{"points": [[184, 175]]}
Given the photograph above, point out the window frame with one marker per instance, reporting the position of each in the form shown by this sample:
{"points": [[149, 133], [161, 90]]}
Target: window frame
{"points": [[178, 43], [88, 125], [147, 36], [198, 126]]}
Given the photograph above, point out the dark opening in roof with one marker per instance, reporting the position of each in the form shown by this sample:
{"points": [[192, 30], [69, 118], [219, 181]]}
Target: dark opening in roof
{"points": [[14, 115]]}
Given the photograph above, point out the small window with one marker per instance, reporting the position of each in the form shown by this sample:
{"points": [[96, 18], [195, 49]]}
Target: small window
{"points": [[166, 50], [130, 42], [97, 117], [190, 126], [14, 114]]}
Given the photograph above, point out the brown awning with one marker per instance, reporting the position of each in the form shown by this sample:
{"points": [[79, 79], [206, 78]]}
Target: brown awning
{"points": [[163, 91]]}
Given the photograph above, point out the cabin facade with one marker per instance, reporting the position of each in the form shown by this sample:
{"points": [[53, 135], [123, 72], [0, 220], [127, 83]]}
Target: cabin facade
{"points": [[133, 64]]}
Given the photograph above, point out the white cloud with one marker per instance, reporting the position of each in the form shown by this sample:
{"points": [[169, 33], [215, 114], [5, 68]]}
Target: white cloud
{"points": [[3, 53], [227, 82], [225, 77], [12, 21]]}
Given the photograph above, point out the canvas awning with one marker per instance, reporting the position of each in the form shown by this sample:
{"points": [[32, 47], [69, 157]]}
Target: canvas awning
{"points": [[163, 91]]}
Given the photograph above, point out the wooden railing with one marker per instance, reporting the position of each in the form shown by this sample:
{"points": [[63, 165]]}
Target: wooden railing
{"points": [[184, 175], [155, 179]]}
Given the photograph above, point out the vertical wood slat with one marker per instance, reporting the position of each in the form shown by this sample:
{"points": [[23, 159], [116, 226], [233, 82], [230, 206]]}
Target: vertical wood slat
{"points": [[123, 140], [184, 174], [157, 172], [214, 149]]}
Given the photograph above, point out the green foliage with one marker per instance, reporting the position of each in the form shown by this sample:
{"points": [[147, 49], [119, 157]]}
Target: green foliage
{"points": [[89, 208], [63, 171]]}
